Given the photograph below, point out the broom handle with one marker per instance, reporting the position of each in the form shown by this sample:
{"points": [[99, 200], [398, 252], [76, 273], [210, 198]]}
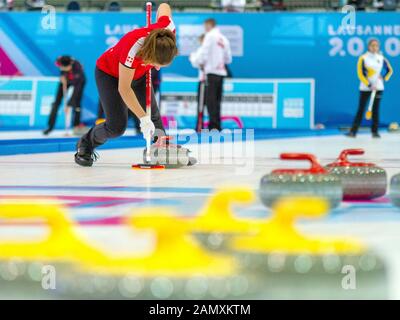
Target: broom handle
{"points": [[371, 100], [67, 118], [67, 110], [149, 7]]}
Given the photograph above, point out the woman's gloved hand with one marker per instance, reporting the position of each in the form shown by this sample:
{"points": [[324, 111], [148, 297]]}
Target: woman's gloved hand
{"points": [[147, 127]]}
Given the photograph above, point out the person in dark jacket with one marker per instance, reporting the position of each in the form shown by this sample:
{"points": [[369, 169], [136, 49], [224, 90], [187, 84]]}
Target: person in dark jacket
{"points": [[72, 75]]}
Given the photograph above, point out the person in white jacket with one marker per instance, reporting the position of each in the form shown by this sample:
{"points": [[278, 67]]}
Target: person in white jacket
{"points": [[212, 57], [373, 70]]}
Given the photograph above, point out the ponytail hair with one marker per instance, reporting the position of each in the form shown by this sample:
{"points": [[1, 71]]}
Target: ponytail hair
{"points": [[159, 47]]}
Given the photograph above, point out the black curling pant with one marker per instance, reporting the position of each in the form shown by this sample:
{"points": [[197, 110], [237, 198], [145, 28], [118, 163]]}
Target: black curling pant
{"points": [[74, 102], [214, 99], [116, 111], [364, 99], [136, 121]]}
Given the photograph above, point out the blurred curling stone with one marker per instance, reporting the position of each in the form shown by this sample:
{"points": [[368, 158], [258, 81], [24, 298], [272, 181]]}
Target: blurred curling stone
{"points": [[177, 268], [360, 180], [170, 155], [292, 265], [80, 130], [394, 127], [24, 263], [216, 223], [395, 190], [314, 181]]}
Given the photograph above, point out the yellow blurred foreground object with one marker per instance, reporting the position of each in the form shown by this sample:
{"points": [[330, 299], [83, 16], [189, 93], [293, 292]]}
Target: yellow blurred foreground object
{"points": [[217, 215], [279, 234], [61, 243], [175, 268], [175, 253]]}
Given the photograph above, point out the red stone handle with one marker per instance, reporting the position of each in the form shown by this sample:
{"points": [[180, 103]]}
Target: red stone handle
{"points": [[343, 160], [164, 141], [315, 167], [352, 152]]}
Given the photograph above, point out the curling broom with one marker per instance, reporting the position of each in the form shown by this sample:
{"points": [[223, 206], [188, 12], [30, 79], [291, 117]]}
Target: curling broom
{"points": [[147, 164]]}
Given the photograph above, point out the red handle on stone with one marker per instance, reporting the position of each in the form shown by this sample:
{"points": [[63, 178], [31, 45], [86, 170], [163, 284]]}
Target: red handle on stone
{"points": [[165, 141], [315, 167], [343, 160], [352, 152]]}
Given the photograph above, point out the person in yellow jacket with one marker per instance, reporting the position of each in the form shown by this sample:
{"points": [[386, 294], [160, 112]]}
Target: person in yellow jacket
{"points": [[373, 70]]}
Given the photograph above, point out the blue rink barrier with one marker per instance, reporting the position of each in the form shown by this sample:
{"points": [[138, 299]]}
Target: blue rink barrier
{"points": [[247, 103], [33, 146], [25, 102]]}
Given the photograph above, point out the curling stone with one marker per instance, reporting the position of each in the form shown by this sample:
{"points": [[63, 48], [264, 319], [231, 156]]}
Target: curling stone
{"points": [[80, 130], [395, 190], [315, 181], [394, 127], [216, 224], [177, 268], [292, 265], [25, 264], [167, 154], [360, 180]]}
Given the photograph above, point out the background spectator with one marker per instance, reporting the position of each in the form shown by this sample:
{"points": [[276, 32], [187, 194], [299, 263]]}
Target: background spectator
{"points": [[33, 5], [71, 75], [269, 5], [358, 4], [6, 5], [233, 5], [214, 54]]}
